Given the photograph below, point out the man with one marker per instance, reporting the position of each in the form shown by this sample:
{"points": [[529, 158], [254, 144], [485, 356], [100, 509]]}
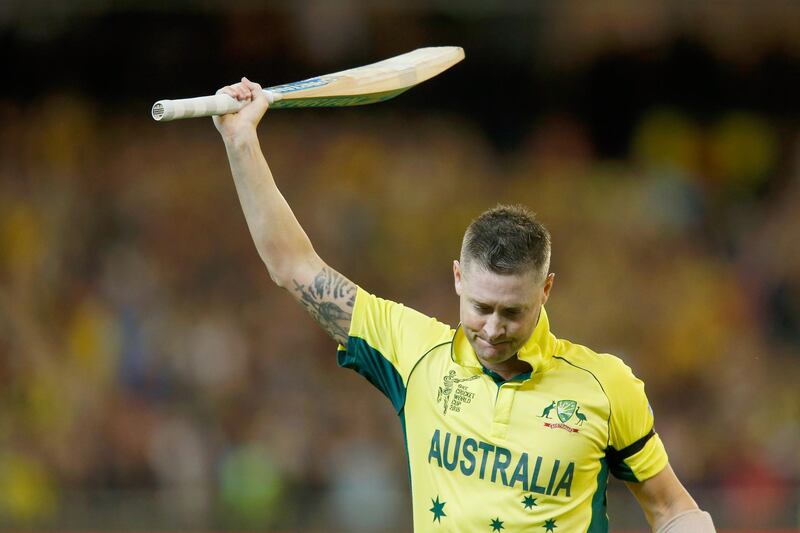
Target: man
{"points": [[485, 451]]}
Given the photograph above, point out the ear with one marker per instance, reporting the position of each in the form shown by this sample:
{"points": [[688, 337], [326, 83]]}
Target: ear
{"points": [[457, 276], [548, 284]]}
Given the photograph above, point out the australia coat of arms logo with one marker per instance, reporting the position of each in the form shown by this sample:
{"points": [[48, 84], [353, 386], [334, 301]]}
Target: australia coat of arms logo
{"points": [[566, 410]]}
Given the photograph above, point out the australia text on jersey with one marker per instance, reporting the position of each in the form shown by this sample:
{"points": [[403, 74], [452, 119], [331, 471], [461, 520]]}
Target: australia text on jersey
{"points": [[471, 457]]}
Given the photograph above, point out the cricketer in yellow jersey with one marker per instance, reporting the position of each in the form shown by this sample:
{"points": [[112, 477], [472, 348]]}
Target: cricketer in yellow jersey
{"points": [[507, 427]]}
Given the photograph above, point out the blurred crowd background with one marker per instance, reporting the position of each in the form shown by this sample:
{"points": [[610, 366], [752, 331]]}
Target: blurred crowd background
{"points": [[152, 377]]}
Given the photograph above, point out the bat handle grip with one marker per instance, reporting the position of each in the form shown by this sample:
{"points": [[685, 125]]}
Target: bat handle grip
{"points": [[203, 106]]}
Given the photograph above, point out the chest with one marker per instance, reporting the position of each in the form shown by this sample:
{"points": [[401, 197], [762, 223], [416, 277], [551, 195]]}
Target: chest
{"points": [[558, 415]]}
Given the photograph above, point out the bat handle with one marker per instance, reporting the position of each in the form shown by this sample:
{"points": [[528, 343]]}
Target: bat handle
{"points": [[203, 106]]}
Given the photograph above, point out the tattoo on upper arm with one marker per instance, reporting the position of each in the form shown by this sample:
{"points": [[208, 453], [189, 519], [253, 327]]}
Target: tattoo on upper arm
{"points": [[330, 299]]}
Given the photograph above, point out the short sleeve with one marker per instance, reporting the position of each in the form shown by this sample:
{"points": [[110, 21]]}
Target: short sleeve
{"points": [[386, 340], [635, 451]]}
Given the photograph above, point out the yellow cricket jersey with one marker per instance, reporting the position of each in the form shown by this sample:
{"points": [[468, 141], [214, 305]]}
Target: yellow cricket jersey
{"points": [[529, 454]]}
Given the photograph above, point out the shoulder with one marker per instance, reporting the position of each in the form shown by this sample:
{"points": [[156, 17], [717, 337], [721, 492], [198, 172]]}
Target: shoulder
{"points": [[611, 372], [605, 366], [394, 327], [397, 314]]}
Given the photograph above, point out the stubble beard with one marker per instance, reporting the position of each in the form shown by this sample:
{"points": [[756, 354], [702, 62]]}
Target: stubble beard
{"points": [[505, 351]]}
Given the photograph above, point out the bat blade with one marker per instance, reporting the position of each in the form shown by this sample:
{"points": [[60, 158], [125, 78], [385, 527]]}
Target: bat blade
{"points": [[356, 86], [368, 84]]}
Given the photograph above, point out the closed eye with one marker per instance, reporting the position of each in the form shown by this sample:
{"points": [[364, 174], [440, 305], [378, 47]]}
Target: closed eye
{"points": [[482, 309]]}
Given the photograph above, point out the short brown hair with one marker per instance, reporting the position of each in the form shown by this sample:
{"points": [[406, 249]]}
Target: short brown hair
{"points": [[507, 239]]}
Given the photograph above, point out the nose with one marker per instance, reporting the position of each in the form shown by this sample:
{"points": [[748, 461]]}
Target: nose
{"points": [[493, 328]]}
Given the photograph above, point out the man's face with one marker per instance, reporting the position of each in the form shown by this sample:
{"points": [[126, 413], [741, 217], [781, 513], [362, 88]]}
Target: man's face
{"points": [[498, 311]]}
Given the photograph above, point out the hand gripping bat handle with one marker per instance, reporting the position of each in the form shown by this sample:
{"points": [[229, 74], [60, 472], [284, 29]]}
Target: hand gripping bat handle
{"points": [[203, 106]]}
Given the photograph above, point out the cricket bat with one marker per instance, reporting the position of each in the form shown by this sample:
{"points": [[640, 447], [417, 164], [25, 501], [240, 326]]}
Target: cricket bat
{"points": [[357, 86]]}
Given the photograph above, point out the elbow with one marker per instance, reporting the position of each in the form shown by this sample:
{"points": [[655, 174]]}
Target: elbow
{"points": [[279, 280], [280, 269], [287, 262], [286, 273], [280, 276]]}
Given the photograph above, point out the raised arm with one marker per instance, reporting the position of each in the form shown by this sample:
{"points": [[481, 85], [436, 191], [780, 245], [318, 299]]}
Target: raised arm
{"points": [[281, 242]]}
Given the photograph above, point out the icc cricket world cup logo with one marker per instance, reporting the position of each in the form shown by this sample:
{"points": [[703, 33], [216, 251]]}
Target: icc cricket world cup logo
{"points": [[446, 390]]}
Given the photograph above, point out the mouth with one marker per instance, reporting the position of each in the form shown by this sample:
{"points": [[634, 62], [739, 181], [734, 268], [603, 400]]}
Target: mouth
{"points": [[489, 343]]}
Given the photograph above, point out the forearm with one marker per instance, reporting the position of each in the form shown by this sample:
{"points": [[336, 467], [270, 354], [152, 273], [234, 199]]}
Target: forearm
{"points": [[278, 236], [659, 513], [668, 506], [692, 521]]}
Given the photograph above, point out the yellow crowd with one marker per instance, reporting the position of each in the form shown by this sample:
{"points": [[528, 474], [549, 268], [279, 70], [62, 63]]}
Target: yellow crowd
{"points": [[145, 352]]}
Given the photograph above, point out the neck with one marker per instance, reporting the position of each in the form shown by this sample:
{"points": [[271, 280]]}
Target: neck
{"points": [[510, 368]]}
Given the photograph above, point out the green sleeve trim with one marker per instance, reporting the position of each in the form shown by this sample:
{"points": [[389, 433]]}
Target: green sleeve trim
{"points": [[622, 471], [371, 364], [616, 458]]}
